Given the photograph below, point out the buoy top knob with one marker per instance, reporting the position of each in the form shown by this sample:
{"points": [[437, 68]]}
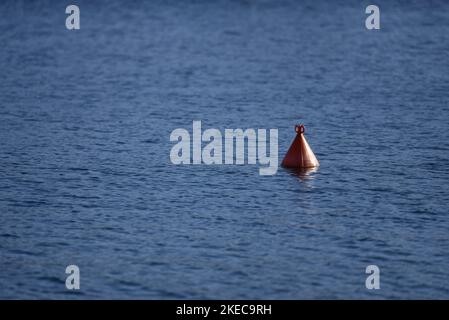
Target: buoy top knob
{"points": [[299, 128]]}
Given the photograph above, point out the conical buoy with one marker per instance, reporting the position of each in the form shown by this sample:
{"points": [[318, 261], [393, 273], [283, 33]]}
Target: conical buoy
{"points": [[300, 155]]}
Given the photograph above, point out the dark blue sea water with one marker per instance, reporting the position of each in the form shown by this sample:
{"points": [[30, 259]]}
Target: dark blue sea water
{"points": [[86, 178]]}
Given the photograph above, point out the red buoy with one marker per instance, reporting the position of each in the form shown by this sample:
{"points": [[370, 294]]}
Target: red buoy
{"points": [[300, 155]]}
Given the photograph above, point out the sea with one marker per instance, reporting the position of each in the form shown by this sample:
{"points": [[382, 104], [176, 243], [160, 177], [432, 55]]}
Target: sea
{"points": [[86, 177]]}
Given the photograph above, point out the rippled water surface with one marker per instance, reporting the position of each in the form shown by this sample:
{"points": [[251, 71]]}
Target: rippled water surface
{"points": [[86, 179]]}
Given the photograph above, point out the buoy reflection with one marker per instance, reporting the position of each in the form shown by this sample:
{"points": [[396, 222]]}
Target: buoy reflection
{"points": [[303, 174]]}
